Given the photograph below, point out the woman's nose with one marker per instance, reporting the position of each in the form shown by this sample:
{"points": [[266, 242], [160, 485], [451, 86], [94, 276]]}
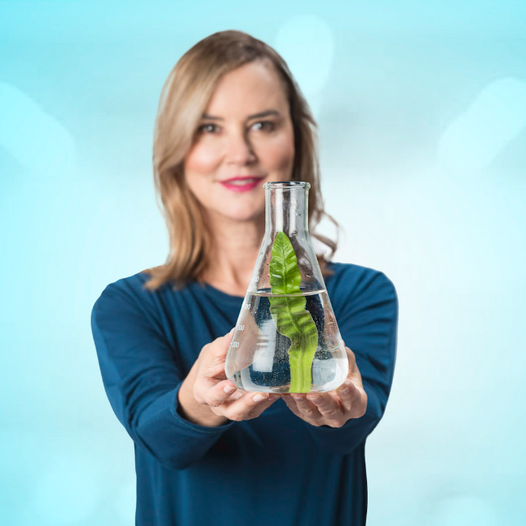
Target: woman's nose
{"points": [[238, 149]]}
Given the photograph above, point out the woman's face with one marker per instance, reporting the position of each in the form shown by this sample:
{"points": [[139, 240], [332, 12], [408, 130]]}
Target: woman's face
{"points": [[246, 132]]}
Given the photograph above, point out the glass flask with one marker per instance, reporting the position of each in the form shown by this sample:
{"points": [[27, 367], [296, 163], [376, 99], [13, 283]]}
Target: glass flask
{"points": [[286, 338]]}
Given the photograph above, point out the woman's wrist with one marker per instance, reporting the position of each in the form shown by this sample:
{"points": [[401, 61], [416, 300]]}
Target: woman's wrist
{"points": [[192, 410]]}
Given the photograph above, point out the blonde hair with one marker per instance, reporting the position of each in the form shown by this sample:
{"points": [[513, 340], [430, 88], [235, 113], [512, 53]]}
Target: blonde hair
{"points": [[183, 100]]}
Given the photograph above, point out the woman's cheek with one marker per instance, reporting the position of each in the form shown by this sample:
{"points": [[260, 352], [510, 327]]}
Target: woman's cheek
{"points": [[203, 158], [280, 154]]}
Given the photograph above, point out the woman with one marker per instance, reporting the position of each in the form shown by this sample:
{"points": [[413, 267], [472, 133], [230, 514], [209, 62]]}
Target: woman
{"points": [[231, 118]]}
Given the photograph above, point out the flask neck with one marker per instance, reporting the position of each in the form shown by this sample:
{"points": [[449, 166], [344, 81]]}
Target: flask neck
{"points": [[286, 209]]}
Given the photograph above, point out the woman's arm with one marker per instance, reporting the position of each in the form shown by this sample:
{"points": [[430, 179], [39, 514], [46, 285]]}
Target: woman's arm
{"points": [[368, 324], [147, 388]]}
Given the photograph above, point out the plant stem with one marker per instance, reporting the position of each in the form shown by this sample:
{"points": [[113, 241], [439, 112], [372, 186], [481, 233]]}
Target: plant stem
{"points": [[301, 355]]}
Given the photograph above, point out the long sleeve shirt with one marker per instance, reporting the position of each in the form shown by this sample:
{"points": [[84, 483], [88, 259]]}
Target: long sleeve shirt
{"points": [[275, 469]]}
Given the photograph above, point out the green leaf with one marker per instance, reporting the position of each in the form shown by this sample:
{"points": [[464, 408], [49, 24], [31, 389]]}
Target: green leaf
{"points": [[289, 314]]}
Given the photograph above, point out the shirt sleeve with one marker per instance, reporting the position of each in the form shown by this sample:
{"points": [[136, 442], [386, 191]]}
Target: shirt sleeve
{"points": [[368, 325], [141, 379]]}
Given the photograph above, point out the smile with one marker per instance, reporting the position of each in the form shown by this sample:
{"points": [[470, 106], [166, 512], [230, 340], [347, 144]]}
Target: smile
{"points": [[241, 185]]}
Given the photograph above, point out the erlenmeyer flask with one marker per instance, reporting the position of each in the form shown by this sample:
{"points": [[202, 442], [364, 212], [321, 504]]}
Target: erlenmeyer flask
{"points": [[286, 338]]}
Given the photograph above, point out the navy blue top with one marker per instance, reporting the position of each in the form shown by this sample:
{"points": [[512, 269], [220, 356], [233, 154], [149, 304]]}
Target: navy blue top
{"points": [[275, 469]]}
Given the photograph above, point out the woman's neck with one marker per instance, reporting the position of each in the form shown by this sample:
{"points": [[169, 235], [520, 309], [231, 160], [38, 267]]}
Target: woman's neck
{"points": [[234, 255]]}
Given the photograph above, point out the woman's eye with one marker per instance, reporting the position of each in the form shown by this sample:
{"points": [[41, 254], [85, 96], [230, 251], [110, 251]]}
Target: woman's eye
{"points": [[265, 125], [206, 128], [260, 125]]}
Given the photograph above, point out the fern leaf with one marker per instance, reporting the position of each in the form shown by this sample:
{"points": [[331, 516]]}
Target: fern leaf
{"points": [[291, 317]]}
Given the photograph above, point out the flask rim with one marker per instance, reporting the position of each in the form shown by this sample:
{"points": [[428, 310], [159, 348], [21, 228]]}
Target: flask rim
{"points": [[284, 185]]}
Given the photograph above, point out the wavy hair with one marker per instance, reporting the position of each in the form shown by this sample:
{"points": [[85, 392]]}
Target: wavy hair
{"points": [[183, 100]]}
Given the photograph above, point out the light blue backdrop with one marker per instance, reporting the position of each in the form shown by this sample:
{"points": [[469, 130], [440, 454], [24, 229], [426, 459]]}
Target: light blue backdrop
{"points": [[422, 114]]}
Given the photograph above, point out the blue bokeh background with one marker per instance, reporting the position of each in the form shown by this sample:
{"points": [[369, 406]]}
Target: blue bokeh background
{"points": [[422, 115]]}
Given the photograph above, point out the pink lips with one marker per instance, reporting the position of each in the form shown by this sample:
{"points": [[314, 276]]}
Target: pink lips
{"points": [[241, 187]]}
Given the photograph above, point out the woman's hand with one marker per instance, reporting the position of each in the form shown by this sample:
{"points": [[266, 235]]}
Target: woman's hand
{"points": [[207, 398], [335, 407]]}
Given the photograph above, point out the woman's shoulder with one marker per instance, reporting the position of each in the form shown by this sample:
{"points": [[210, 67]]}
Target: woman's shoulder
{"points": [[132, 292], [349, 279], [132, 284], [129, 290]]}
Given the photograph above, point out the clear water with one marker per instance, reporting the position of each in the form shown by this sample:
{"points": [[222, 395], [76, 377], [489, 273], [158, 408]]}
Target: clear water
{"points": [[258, 357]]}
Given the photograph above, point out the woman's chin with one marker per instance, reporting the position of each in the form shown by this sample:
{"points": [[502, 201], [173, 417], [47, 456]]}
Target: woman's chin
{"points": [[244, 215]]}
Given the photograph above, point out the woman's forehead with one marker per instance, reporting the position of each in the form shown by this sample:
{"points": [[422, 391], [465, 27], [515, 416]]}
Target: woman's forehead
{"points": [[251, 89]]}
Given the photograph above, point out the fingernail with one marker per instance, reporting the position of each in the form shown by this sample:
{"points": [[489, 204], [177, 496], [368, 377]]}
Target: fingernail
{"points": [[345, 390], [259, 398], [316, 400], [229, 389], [296, 396], [273, 397]]}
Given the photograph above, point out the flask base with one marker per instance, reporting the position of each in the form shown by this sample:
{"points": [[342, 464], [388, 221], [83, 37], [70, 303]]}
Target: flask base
{"points": [[327, 375]]}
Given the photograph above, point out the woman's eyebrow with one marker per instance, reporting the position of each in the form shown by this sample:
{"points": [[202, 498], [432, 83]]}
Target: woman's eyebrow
{"points": [[256, 116]]}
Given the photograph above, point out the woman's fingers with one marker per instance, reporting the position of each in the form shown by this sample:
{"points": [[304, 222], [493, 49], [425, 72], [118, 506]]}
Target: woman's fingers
{"points": [[218, 393], [352, 392], [212, 358], [353, 398], [335, 407], [262, 406], [328, 407], [347, 393], [354, 373], [317, 408], [211, 382], [226, 400], [241, 408], [221, 396], [306, 408]]}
